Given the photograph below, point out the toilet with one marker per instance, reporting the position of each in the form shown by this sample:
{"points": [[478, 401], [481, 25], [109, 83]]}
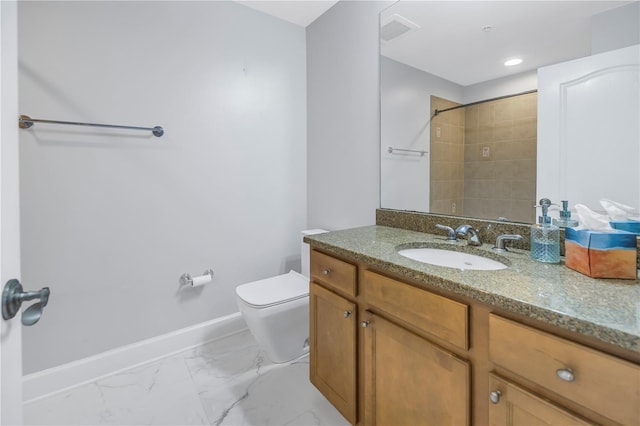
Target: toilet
{"points": [[276, 309]]}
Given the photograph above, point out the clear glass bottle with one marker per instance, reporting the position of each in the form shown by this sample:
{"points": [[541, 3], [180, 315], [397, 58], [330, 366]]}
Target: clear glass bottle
{"points": [[545, 237]]}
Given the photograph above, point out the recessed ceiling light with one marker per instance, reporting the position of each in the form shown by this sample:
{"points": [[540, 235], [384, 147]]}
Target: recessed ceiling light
{"points": [[512, 62]]}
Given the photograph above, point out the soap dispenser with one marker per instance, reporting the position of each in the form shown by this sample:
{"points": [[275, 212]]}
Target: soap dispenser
{"points": [[565, 220], [545, 237]]}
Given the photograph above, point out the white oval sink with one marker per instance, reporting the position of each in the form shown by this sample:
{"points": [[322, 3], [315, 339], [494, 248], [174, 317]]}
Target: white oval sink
{"points": [[452, 259]]}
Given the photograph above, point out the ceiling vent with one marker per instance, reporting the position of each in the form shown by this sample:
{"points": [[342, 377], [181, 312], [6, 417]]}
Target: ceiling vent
{"points": [[394, 26]]}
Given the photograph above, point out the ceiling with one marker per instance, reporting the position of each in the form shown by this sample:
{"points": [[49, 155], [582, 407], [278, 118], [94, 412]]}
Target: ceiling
{"points": [[452, 44], [298, 12], [452, 41]]}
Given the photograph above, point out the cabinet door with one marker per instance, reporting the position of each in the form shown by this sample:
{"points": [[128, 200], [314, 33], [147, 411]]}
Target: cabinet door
{"points": [[410, 381], [512, 405], [332, 355]]}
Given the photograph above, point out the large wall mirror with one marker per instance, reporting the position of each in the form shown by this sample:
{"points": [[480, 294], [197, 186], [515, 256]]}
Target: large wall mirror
{"points": [[464, 134]]}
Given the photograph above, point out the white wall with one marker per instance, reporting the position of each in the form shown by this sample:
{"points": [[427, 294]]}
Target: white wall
{"points": [[110, 219], [509, 85], [615, 28], [405, 123], [343, 127]]}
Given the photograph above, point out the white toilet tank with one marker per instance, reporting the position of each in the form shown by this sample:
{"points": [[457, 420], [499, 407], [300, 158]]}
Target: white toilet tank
{"points": [[276, 309], [305, 250]]}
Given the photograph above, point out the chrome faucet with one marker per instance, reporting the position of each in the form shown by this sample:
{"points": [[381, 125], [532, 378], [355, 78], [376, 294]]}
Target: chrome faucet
{"points": [[473, 238], [451, 234], [502, 239]]}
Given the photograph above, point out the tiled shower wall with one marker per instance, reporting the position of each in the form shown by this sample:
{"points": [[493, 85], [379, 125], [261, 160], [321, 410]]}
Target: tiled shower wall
{"points": [[447, 158], [500, 159], [483, 159]]}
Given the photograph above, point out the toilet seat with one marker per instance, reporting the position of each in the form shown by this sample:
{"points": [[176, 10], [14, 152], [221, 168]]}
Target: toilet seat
{"points": [[274, 291]]}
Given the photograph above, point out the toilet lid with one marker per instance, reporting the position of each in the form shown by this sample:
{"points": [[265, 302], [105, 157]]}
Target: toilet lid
{"points": [[274, 290]]}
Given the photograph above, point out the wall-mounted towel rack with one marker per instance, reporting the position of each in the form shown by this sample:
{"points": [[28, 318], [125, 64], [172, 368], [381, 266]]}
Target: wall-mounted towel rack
{"points": [[392, 150], [25, 122]]}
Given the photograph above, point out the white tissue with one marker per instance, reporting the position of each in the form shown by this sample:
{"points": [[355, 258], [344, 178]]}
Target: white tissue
{"points": [[201, 280], [591, 220], [618, 211]]}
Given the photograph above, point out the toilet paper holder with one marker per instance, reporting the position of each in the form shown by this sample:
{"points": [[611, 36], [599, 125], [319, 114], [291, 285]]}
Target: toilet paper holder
{"points": [[187, 280]]}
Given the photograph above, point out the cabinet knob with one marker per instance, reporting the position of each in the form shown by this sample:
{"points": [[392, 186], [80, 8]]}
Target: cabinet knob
{"points": [[494, 396], [365, 324], [326, 271], [565, 374], [347, 314]]}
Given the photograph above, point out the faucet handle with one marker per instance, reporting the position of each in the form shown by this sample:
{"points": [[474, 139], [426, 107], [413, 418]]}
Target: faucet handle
{"points": [[451, 234], [502, 239]]}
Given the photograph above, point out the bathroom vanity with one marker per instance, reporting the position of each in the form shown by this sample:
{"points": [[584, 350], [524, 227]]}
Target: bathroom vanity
{"points": [[395, 341]]}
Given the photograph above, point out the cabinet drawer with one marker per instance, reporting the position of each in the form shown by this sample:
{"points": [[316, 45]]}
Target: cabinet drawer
{"points": [[333, 273], [602, 383], [433, 314]]}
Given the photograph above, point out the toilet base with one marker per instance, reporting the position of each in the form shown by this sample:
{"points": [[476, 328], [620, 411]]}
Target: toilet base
{"points": [[282, 331]]}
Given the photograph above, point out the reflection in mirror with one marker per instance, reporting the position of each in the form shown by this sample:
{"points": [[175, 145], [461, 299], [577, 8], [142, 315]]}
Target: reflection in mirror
{"points": [[484, 160]]}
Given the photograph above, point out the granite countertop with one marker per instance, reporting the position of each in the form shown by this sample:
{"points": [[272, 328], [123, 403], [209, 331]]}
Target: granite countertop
{"points": [[608, 310]]}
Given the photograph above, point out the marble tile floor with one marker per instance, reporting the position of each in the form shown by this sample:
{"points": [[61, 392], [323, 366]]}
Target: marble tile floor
{"points": [[225, 382]]}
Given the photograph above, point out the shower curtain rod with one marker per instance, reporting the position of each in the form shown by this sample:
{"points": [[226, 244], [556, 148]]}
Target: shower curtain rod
{"points": [[25, 122], [437, 111]]}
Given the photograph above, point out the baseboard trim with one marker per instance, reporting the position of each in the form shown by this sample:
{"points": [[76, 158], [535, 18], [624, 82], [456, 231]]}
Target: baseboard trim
{"points": [[57, 379]]}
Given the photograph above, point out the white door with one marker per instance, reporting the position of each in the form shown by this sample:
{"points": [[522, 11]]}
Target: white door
{"points": [[589, 114], [11, 333]]}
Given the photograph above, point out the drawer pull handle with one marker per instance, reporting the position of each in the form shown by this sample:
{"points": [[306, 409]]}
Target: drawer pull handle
{"points": [[326, 271], [347, 314], [565, 374], [365, 324], [494, 396]]}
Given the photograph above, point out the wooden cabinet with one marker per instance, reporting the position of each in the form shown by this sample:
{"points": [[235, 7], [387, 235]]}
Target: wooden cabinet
{"points": [[332, 355], [333, 331], [510, 405], [410, 381], [405, 379], [436, 316], [333, 273], [590, 378], [389, 352]]}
